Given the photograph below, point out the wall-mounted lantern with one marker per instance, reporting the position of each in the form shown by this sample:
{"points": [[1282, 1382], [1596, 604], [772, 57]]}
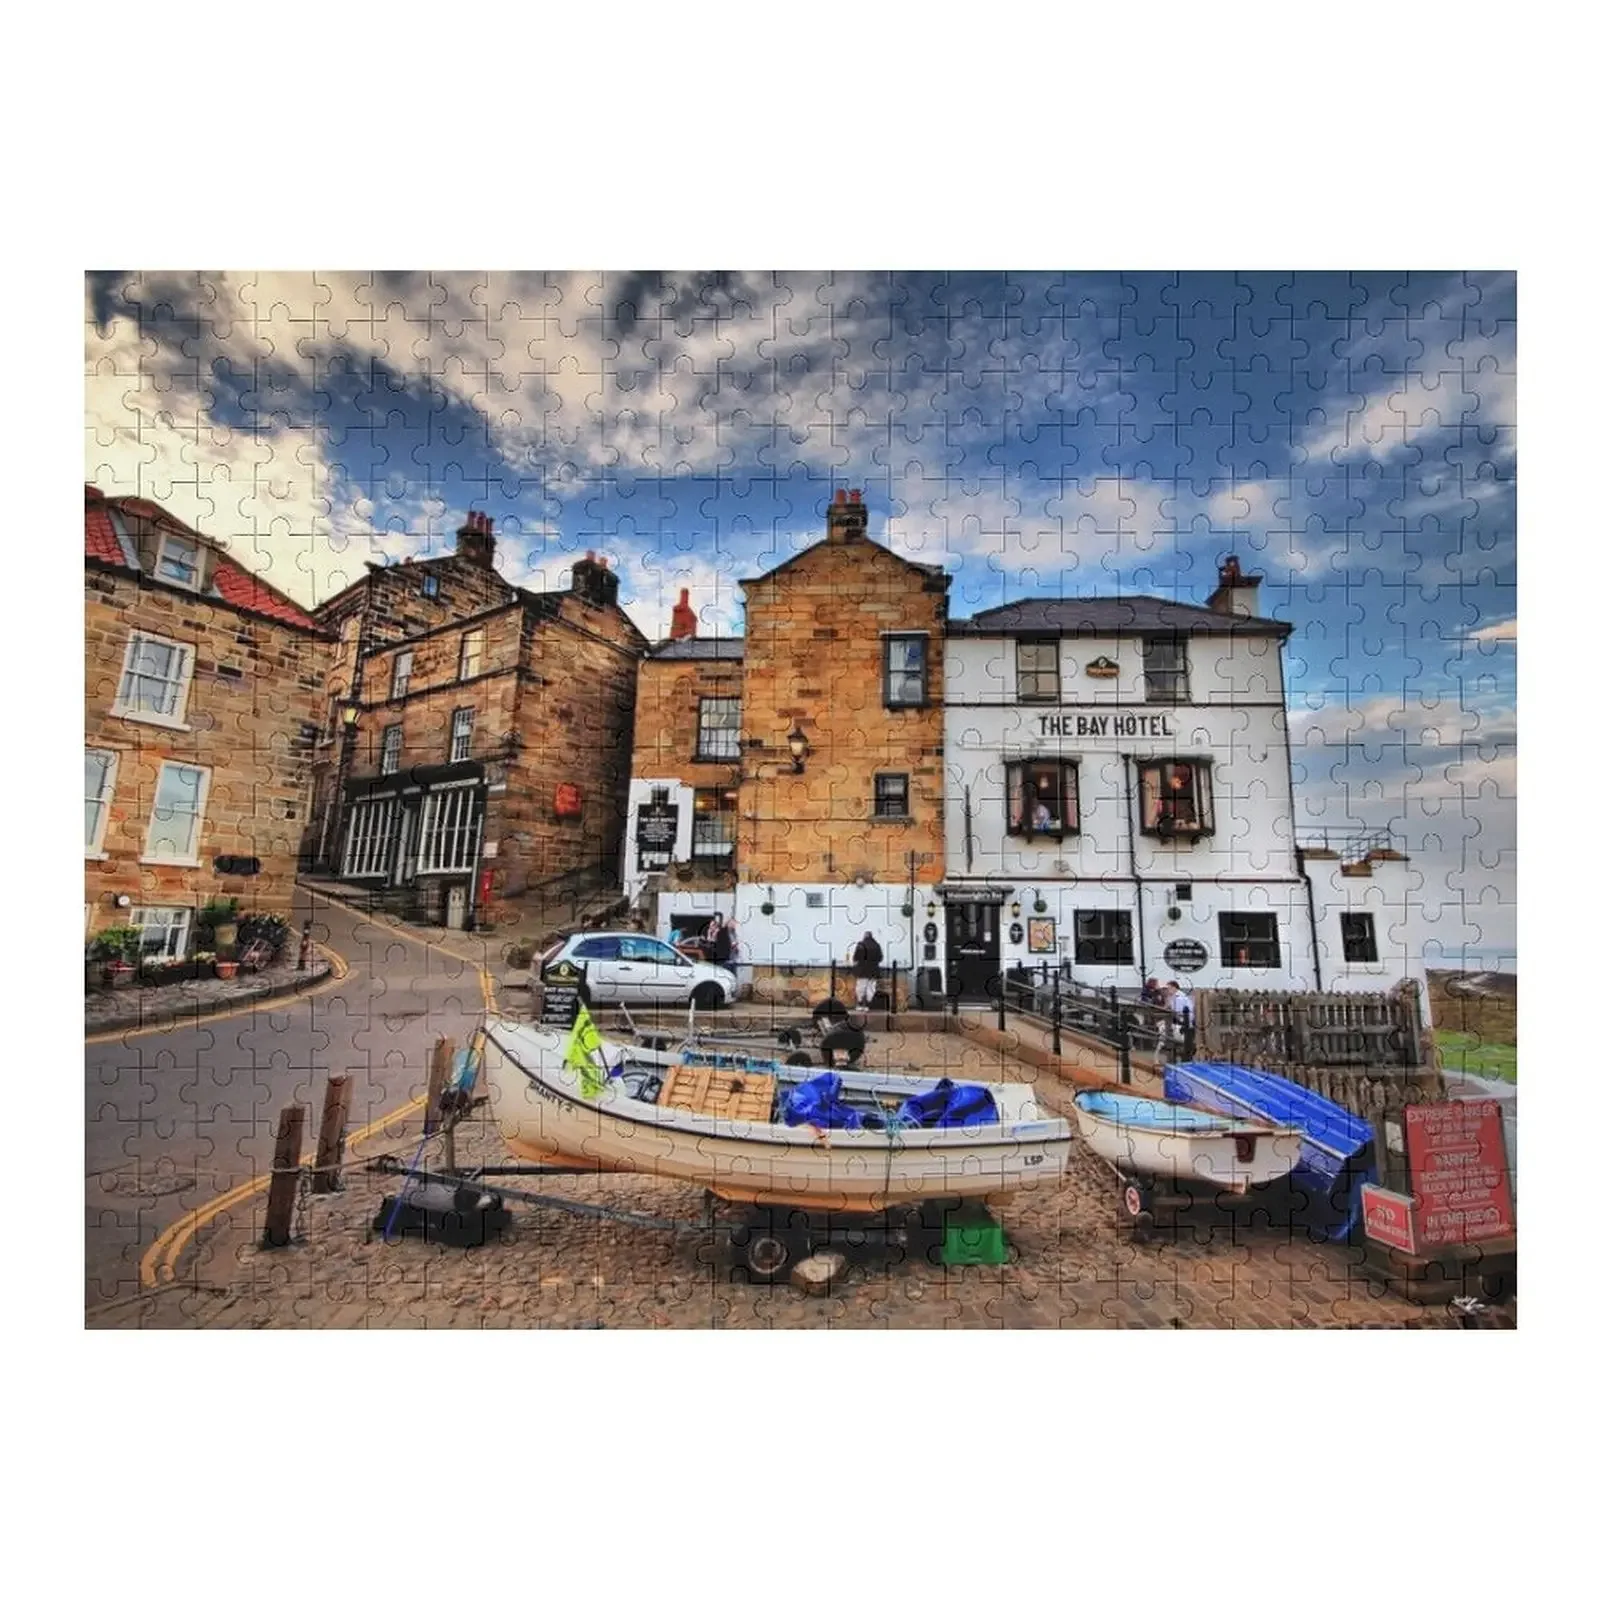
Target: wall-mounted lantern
{"points": [[799, 747]]}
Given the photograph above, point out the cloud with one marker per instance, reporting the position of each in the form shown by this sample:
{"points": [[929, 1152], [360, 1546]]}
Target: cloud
{"points": [[1496, 632]]}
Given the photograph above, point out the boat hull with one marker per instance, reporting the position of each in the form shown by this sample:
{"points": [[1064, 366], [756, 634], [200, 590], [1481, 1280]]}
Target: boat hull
{"points": [[1233, 1156], [543, 1115]]}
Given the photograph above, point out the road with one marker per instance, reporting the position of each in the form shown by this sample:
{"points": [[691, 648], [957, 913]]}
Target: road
{"points": [[176, 1117]]}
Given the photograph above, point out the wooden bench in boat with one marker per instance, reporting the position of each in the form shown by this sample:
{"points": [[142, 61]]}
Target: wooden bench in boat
{"points": [[734, 1095]]}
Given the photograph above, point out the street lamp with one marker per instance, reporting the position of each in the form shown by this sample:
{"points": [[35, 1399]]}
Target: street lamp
{"points": [[351, 715], [799, 747]]}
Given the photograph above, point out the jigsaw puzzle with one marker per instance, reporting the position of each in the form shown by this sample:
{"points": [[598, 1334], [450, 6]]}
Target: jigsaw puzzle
{"points": [[720, 800]]}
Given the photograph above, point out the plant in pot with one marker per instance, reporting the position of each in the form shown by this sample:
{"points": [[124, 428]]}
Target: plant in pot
{"points": [[219, 925], [117, 951]]}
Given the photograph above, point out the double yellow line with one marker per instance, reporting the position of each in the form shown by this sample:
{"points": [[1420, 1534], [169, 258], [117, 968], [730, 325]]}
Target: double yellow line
{"points": [[159, 1264]]}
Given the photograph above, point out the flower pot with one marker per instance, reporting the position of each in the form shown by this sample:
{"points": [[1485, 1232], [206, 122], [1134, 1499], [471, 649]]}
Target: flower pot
{"points": [[118, 975], [227, 969]]}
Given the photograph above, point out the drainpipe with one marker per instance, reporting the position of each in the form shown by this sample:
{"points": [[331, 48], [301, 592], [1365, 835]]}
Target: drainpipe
{"points": [[1311, 912], [1133, 862]]}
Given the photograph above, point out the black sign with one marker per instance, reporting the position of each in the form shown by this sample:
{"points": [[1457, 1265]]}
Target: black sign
{"points": [[238, 866], [561, 1002], [656, 834], [1186, 955]]}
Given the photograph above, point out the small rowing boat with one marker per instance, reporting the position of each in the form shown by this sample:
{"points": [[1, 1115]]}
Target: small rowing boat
{"points": [[764, 1132], [1178, 1144]]}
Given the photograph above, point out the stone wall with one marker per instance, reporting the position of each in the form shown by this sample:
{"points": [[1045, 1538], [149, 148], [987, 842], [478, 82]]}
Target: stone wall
{"points": [[667, 720], [254, 703], [814, 657]]}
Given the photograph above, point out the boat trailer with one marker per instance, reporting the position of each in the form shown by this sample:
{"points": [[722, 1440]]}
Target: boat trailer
{"points": [[462, 1209]]}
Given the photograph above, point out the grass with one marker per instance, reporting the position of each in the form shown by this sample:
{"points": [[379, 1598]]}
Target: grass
{"points": [[1466, 1052]]}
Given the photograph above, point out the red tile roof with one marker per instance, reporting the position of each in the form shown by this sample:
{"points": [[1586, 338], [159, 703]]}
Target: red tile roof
{"points": [[234, 584]]}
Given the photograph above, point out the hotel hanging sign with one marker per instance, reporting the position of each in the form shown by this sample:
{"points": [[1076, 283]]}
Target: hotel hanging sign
{"points": [[1107, 725]]}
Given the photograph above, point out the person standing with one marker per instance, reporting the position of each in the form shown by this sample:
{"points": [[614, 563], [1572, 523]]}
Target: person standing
{"points": [[868, 963], [720, 946]]}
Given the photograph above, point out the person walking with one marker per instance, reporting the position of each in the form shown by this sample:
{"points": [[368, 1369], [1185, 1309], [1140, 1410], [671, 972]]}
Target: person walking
{"points": [[868, 963]]}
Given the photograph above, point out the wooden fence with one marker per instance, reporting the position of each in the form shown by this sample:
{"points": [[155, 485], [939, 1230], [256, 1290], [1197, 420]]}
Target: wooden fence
{"points": [[1367, 1052]]}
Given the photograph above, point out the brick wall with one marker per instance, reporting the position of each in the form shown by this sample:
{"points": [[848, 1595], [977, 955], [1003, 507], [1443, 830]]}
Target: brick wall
{"points": [[254, 702], [814, 656], [666, 727]]}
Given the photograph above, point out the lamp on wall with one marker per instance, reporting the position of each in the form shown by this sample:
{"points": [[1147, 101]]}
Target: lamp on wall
{"points": [[799, 747], [351, 715]]}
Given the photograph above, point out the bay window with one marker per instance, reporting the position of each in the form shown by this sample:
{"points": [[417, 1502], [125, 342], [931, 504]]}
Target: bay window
{"points": [[1175, 799], [1041, 797]]}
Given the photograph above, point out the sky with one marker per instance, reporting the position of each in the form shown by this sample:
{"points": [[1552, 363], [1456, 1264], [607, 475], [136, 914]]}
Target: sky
{"points": [[1351, 436]]}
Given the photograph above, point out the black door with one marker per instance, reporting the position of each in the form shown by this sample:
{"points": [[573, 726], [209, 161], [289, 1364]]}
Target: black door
{"points": [[974, 945]]}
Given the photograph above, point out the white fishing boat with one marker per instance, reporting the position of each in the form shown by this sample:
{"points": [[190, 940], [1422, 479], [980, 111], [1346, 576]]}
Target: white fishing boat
{"points": [[1156, 1139], [729, 1124]]}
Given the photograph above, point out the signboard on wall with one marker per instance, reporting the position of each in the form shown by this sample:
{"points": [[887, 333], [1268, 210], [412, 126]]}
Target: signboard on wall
{"points": [[655, 835], [1456, 1151], [569, 800], [1185, 955]]}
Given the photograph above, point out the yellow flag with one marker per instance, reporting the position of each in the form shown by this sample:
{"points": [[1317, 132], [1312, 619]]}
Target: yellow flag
{"points": [[582, 1045]]}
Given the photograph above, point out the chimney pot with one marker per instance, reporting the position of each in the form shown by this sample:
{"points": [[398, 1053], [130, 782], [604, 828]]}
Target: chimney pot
{"points": [[847, 517], [840, 497], [855, 497], [684, 622]]}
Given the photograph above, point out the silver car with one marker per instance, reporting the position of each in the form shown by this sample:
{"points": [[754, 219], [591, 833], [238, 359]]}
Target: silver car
{"points": [[640, 969]]}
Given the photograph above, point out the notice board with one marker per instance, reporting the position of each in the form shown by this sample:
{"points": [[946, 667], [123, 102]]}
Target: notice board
{"points": [[1456, 1152]]}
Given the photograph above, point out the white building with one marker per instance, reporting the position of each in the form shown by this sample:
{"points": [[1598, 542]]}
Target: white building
{"points": [[1119, 796]]}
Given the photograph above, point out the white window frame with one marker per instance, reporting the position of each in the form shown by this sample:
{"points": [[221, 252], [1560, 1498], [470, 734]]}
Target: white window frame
{"points": [[129, 710], [175, 919], [202, 794], [447, 837], [400, 682], [191, 584], [470, 663], [369, 838], [94, 845], [893, 700], [461, 732], [717, 729], [389, 749]]}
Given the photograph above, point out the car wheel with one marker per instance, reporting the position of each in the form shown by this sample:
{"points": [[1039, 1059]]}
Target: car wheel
{"points": [[708, 997]]}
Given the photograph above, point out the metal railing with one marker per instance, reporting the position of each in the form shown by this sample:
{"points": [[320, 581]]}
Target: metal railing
{"points": [[1351, 844], [1105, 1013]]}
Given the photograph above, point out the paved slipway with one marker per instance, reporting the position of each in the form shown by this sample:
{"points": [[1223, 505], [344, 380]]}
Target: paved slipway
{"points": [[1075, 1267]]}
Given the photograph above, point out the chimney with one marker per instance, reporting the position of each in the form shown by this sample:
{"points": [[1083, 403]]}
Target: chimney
{"points": [[1236, 592], [593, 581], [847, 518], [684, 621], [475, 539]]}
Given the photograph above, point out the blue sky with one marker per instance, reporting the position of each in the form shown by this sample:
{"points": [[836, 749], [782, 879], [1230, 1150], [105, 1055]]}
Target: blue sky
{"points": [[1349, 435]]}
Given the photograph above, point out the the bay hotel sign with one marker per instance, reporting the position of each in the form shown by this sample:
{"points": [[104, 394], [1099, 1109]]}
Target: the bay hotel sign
{"points": [[1107, 725]]}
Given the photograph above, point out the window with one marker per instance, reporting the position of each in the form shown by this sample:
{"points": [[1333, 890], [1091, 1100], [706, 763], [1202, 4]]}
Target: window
{"points": [[1166, 667], [174, 832], [471, 653], [891, 794], [163, 930], [461, 733], [99, 774], [449, 840], [389, 750], [719, 731], [1041, 797], [430, 585], [178, 561], [1249, 938], [1360, 935], [605, 948], [1038, 669], [715, 813], [155, 680], [401, 681], [1175, 798], [1103, 938], [905, 669], [367, 845]]}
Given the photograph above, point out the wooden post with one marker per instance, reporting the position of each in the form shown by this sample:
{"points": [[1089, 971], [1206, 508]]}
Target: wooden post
{"points": [[330, 1138], [285, 1178], [438, 1075]]}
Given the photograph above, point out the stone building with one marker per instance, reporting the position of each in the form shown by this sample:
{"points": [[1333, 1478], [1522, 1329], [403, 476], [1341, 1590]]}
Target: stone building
{"points": [[794, 778], [476, 735], [1121, 799], [203, 695]]}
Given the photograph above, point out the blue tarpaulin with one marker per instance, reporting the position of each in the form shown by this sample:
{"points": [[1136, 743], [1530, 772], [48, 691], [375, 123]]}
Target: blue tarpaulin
{"points": [[819, 1102]]}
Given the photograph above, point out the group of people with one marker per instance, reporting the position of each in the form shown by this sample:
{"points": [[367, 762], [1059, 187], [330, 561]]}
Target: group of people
{"points": [[718, 941], [1170, 996]]}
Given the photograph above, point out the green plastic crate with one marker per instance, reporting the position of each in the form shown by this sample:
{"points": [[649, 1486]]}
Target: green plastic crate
{"points": [[972, 1238]]}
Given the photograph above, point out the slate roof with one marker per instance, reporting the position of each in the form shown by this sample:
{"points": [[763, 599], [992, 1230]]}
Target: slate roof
{"points": [[1131, 613], [699, 650], [231, 583]]}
